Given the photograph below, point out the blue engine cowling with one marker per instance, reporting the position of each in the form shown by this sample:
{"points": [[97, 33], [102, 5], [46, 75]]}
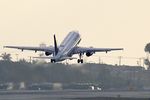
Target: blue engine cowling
{"points": [[89, 54], [47, 53]]}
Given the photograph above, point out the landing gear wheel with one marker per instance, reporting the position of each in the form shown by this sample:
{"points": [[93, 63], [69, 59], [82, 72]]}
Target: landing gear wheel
{"points": [[80, 60], [53, 61]]}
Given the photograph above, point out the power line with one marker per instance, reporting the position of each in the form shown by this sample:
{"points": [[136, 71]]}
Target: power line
{"points": [[139, 59]]}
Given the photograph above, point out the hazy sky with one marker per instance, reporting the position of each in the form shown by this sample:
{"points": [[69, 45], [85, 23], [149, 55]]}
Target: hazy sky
{"points": [[101, 23]]}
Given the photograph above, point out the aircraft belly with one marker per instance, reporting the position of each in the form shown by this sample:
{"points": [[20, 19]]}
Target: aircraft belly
{"points": [[67, 46]]}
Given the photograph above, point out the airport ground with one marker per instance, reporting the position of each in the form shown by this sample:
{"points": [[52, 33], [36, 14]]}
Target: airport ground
{"points": [[74, 95], [57, 81]]}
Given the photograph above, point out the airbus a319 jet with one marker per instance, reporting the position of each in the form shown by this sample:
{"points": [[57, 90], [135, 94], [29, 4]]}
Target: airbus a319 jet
{"points": [[66, 49]]}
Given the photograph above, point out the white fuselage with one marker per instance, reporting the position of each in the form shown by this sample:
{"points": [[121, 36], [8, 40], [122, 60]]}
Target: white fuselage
{"points": [[67, 45]]}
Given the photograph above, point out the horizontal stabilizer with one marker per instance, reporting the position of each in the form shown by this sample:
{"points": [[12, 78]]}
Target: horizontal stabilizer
{"points": [[69, 58], [43, 57], [54, 58]]}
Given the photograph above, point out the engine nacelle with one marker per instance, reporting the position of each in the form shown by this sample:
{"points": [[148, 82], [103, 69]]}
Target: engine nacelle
{"points": [[89, 54], [47, 53]]}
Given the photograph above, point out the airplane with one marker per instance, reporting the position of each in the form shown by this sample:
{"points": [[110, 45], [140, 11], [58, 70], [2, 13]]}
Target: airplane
{"points": [[67, 48]]}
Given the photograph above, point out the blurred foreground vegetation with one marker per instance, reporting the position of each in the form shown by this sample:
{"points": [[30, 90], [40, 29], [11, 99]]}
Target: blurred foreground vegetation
{"points": [[108, 76]]}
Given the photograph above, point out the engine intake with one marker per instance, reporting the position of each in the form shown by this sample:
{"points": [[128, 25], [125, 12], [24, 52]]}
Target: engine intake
{"points": [[89, 54], [47, 53]]}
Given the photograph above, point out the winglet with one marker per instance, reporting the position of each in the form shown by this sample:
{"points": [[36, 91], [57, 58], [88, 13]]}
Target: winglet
{"points": [[55, 45]]}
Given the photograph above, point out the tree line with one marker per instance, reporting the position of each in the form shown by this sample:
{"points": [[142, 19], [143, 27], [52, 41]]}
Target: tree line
{"points": [[107, 75]]}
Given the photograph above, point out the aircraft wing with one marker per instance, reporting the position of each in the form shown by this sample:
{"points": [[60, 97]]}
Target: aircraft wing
{"points": [[49, 49], [91, 49]]}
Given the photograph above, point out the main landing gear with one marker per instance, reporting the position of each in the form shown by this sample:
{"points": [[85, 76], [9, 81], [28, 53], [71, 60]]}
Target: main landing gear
{"points": [[80, 60], [53, 61]]}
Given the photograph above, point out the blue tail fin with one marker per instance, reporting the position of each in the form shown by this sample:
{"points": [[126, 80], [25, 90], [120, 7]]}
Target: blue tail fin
{"points": [[55, 45]]}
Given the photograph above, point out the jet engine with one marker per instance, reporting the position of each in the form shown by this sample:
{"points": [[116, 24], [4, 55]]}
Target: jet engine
{"points": [[47, 53], [89, 54]]}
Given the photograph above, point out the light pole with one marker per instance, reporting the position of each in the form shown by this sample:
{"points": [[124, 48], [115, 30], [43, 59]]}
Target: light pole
{"points": [[120, 57], [17, 57]]}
